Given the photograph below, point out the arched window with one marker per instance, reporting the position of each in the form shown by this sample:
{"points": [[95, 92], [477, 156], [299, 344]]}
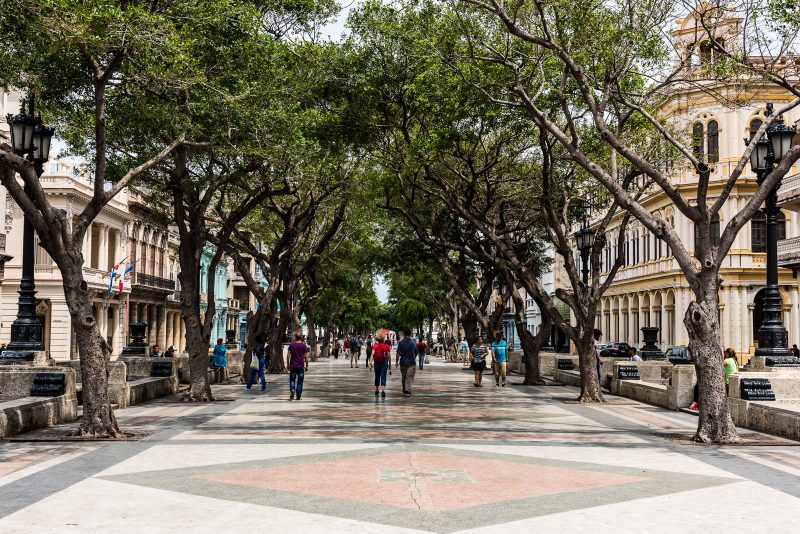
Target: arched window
{"points": [[758, 231], [755, 124], [713, 142], [705, 52], [697, 140]]}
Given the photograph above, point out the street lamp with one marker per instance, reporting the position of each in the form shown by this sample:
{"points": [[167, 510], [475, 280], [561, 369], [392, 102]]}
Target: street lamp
{"points": [[773, 340], [30, 139], [584, 238]]}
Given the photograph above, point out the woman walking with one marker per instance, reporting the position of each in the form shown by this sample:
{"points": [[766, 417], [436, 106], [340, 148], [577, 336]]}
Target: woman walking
{"points": [[381, 361], [479, 352]]}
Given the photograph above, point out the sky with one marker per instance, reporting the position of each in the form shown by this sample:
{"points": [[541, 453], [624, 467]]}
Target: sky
{"points": [[381, 289]]}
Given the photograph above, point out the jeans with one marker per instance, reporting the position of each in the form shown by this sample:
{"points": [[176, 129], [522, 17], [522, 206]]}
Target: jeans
{"points": [[408, 372], [421, 360], [296, 376], [252, 376], [380, 372]]}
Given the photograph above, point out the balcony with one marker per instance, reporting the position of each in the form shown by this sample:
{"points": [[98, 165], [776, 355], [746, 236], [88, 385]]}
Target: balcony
{"points": [[154, 282], [789, 253], [2, 242], [233, 304], [789, 194]]}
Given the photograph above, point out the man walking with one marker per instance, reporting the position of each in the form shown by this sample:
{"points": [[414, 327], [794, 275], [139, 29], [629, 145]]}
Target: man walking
{"points": [[368, 351], [297, 362], [406, 360], [499, 348], [259, 354], [355, 350]]}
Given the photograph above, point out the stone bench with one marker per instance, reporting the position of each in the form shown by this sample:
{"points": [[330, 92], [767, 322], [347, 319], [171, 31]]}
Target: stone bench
{"points": [[145, 389], [781, 416], [118, 392], [235, 368], [568, 377], [647, 392], [20, 411]]}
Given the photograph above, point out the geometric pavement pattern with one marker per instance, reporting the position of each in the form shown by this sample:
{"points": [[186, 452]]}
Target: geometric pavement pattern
{"points": [[433, 488]]}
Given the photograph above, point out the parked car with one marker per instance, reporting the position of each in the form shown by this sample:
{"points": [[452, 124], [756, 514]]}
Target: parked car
{"points": [[614, 349], [678, 355]]}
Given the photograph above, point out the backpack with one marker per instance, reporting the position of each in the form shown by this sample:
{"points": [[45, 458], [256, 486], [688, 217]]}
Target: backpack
{"points": [[379, 353], [353, 343]]}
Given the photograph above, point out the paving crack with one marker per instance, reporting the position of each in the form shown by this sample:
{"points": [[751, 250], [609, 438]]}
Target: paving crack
{"points": [[413, 485]]}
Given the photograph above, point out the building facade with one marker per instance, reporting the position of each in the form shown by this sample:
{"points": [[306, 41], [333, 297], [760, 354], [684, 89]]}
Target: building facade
{"points": [[650, 289]]}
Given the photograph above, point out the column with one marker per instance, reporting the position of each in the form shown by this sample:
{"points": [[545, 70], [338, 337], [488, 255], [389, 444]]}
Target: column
{"points": [[176, 329], [102, 253], [118, 329], [162, 326], [182, 338]]}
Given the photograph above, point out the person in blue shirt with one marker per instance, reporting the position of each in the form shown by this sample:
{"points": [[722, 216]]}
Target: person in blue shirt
{"points": [[219, 360], [499, 352], [406, 359]]}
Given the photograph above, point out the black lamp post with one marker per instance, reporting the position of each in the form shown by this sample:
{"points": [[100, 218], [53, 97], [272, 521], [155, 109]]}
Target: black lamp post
{"points": [[773, 340], [584, 238], [29, 138]]}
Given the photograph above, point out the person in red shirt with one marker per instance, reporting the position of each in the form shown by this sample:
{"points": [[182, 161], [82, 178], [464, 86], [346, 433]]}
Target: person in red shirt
{"points": [[422, 349], [297, 362], [381, 361]]}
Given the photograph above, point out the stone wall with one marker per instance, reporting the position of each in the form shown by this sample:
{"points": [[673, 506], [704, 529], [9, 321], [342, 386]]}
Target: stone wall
{"points": [[21, 412]]}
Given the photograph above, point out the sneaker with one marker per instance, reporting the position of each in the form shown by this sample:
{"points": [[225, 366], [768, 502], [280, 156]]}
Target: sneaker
{"points": [[376, 393], [247, 388], [291, 395], [406, 394], [504, 384], [497, 384], [383, 393], [693, 406], [299, 397]]}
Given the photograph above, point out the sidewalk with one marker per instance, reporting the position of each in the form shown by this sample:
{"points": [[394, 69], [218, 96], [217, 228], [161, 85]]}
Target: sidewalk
{"points": [[452, 458]]}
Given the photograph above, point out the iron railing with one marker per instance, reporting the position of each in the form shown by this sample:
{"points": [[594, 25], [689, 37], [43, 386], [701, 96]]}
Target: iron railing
{"points": [[155, 281]]}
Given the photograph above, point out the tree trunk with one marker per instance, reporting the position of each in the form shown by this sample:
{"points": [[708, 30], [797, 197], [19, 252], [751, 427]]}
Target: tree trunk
{"points": [[531, 345], [277, 363], [701, 320], [325, 351], [312, 334], [590, 383], [98, 417]]}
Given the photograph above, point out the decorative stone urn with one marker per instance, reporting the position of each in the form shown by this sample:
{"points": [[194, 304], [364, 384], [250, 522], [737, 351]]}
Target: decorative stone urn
{"points": [[649, 349], [138, 346]]}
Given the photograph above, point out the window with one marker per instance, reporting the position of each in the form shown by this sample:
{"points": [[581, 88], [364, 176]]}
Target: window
{"points": [[705, 52], [55, 167], [713, 142], [714, 231], [697, 140], [758, 231]]}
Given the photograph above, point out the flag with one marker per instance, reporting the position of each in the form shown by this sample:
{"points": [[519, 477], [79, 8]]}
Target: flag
{"points": [[114, 274], [129, 268]]}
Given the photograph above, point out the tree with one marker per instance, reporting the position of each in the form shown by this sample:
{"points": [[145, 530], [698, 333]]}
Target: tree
{"points": [[613, 79], [86, 62]]}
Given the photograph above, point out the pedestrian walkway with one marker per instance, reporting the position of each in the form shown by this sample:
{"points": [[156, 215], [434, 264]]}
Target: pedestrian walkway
{"points": [[452, 458]]}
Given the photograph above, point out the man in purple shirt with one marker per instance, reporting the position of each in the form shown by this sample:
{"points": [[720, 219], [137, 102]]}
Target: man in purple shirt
{"points": [[297, 362]]}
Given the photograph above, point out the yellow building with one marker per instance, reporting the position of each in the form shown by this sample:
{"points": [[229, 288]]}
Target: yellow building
{"points": [[650, 290]]}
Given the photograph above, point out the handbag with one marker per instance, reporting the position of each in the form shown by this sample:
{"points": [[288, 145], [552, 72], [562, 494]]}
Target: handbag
{"points": [[254, 362], [427, 360]]}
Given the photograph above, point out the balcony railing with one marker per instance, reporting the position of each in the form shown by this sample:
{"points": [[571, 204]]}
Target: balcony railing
{"points": [[789, 192], [157, 282], [2, 242], [233, 303], [789, 252]]}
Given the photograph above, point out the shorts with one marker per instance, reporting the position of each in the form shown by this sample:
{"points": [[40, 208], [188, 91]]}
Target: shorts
{"points": [[478, 366]]}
